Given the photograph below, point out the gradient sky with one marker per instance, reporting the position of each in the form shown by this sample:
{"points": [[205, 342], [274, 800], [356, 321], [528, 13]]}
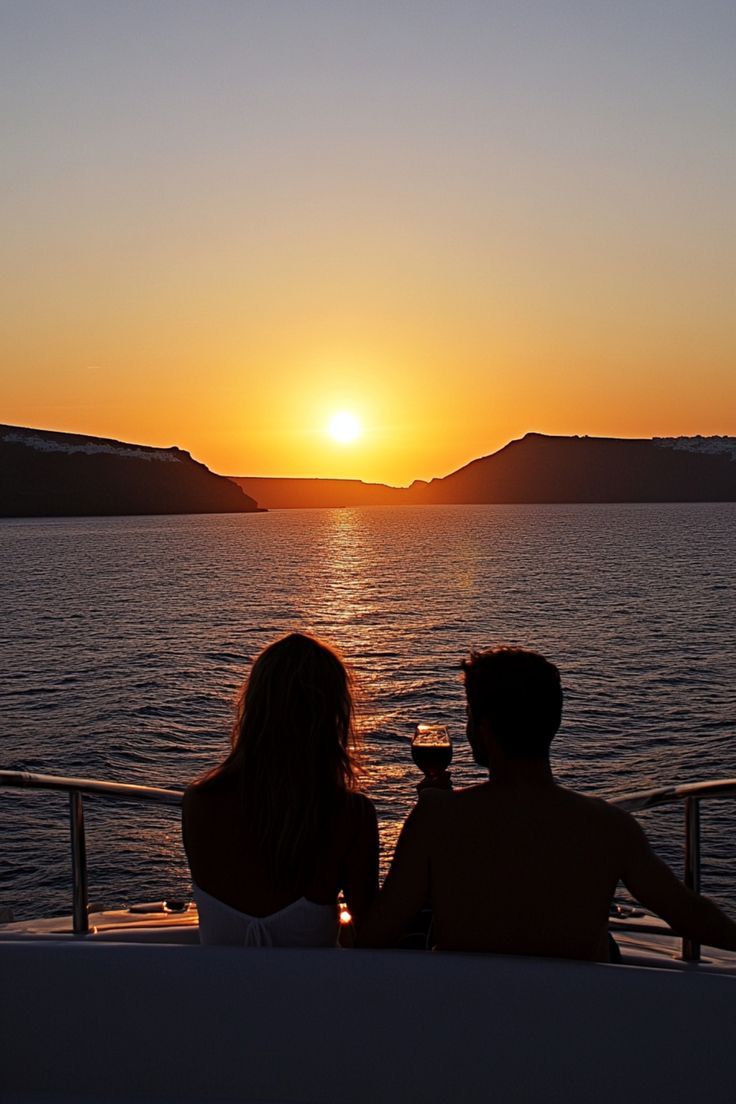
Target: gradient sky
{"points": [[462, 221]]}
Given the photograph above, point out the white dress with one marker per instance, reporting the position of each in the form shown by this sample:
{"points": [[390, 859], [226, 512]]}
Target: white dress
{"points": [[303, 923]]}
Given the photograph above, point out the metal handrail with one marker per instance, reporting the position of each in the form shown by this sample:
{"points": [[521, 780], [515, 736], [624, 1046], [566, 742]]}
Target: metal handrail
{"points": [[76, 787], [668, 795], [692, 793], [121, 791]]}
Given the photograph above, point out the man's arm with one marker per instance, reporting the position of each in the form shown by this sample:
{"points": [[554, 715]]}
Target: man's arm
{"points": [[653, 884], [406, 889]]}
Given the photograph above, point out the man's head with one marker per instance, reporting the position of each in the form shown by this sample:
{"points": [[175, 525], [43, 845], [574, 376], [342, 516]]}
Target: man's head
{"points": [[515, 699]]}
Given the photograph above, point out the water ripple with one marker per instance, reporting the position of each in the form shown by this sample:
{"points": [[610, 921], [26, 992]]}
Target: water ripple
{"points": [[124, 641]]}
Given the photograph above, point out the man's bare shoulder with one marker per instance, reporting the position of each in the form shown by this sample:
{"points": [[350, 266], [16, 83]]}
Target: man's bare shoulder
{"points": [[443, 800], [601, 813], [436, 802], [469, 794], [437, 805]]}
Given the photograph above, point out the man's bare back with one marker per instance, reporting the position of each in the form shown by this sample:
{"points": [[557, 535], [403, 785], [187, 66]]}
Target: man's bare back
{"points": [[519, 864], [538, 879]]}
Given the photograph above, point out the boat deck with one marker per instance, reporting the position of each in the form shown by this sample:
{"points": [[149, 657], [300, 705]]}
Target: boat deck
{"points": [[643, 939]]}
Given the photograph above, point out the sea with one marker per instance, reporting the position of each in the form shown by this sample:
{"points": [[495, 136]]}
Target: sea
{"points": [[124, 641]]}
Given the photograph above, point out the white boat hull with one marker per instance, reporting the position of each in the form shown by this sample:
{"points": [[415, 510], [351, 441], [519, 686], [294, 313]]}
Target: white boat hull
{"points": [[112, 1022]]}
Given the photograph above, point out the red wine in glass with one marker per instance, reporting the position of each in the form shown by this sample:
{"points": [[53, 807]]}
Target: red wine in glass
{"points": [[431, 749]]}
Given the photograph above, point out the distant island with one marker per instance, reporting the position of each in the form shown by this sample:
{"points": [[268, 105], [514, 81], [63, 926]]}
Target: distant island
{"points": [[538, 469], [48, 474], [285, 493]]}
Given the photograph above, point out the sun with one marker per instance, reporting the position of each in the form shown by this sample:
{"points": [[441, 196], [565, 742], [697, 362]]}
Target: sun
{"points": [[344, 427]]}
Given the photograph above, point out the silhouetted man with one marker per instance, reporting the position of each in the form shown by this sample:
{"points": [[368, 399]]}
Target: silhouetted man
{"points": [[520, 864]]}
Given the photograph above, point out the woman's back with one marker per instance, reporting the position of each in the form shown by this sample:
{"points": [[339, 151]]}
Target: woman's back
{"points": [[277, 830], [300, 924], [227, 862]]}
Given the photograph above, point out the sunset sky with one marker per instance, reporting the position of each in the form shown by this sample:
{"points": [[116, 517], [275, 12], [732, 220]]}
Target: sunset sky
{"points": [[226, 222]]}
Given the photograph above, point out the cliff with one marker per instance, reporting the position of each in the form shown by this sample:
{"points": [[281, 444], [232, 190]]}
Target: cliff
{"points": [[43, 473], [47, 474], [539, 468]]}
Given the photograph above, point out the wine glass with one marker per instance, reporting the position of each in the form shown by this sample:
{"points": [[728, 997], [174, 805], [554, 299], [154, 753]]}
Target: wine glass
{"points": [[431, 749]]}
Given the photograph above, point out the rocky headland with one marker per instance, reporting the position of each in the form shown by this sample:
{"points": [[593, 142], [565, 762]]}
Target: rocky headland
{"points": [[48, 474], [539, 468]]}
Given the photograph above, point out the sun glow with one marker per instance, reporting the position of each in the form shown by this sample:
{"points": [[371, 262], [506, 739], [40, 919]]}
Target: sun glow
{"points": [[344, 427]]}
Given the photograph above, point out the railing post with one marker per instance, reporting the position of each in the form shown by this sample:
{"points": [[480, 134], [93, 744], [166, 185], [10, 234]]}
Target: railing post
{"points": [[691, 949], [80, 907]]}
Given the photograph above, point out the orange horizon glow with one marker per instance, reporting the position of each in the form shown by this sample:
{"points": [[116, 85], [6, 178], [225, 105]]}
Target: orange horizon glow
{"points": [[222, 231], [330, 469]]}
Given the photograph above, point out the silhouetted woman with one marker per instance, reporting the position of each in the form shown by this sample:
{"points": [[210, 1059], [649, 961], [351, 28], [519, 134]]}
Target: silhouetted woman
{"points": [[278, 829]]}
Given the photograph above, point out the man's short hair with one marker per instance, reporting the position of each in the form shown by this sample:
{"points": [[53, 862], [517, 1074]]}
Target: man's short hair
{"points": [[519, 694]]}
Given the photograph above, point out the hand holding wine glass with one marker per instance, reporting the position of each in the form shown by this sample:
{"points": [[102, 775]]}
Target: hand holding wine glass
{"points": [[431, 750]]}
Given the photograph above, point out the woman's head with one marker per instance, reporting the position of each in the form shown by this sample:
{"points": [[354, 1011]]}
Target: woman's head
{"points": [[293, 750], [295, 712]]}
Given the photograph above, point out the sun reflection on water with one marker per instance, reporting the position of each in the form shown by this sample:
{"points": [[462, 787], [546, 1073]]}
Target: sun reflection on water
{"points": [[128, 671]]}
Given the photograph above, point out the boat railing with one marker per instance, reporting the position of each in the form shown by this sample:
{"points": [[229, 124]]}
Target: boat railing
{"points": [[691, 794], [77, 788]]}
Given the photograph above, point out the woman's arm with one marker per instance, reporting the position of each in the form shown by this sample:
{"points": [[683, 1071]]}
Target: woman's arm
{"points": [[187, 816], [407, 887]]}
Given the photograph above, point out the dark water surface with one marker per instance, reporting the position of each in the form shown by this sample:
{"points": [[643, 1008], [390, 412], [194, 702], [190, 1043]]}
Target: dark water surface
{"points": [[123, 641]]}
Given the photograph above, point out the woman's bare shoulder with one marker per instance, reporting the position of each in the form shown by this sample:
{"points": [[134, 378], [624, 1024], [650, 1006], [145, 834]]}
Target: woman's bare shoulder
{"points": [[360, 799], [358, 807], [203, 800], [191, 800]]}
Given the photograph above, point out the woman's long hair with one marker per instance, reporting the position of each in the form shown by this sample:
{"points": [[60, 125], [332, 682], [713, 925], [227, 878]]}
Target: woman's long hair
{"points": [[293, 749]]}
